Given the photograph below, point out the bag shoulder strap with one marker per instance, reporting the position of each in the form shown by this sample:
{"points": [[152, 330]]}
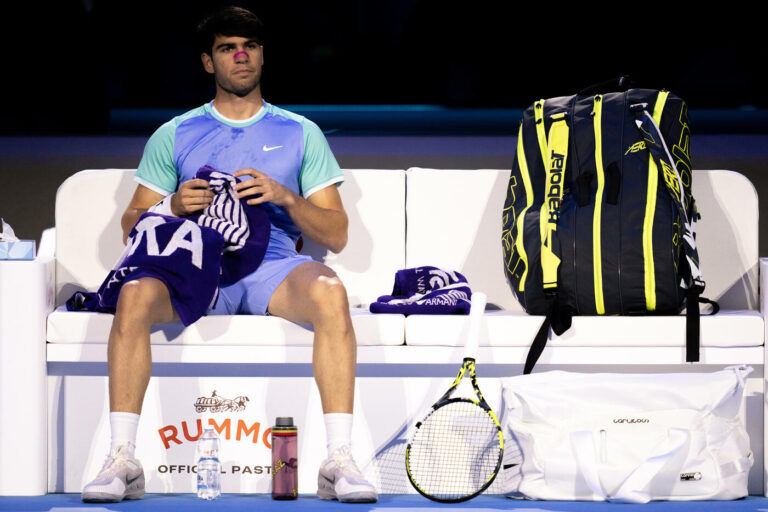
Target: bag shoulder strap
{"points": [[557, 155], [686, 207]]}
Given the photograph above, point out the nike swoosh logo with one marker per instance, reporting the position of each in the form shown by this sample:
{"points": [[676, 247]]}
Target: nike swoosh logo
{"points": [[130, 481], [268, 148]]}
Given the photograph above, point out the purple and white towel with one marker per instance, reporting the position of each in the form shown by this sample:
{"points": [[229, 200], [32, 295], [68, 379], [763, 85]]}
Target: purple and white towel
{"points": [[193, 255], [245, 228], [426, 291], [178, 252], [226, 214]]}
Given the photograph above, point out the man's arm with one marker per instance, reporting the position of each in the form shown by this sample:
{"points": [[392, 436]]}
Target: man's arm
{"points": [[143, 198], [321, 217], [192, 196]]}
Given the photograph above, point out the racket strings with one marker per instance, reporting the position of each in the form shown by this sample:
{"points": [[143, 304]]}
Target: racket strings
{"points": [[455, 451]]}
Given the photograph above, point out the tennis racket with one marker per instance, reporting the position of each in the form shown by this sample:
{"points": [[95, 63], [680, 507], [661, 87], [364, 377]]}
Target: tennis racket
{"points": [[455, 451]]}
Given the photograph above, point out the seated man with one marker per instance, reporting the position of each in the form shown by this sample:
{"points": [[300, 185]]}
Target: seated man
{"points": [[286, 165]]}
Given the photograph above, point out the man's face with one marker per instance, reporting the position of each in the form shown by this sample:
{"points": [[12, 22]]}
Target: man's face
{"points": [[236, 64]]}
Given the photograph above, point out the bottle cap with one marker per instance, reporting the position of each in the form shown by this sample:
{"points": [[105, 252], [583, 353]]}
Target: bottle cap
{"points": [[284, 421]]}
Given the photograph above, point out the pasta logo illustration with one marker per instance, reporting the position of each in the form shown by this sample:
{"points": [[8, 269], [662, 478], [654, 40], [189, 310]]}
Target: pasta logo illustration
{"points": [[215, 403]]}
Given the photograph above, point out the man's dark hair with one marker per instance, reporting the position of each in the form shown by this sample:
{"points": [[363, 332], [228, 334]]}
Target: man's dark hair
{"points": [[228, 21]]}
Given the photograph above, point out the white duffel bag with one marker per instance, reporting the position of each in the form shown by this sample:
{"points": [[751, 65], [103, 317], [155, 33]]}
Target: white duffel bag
{"points": [[628, 438]]}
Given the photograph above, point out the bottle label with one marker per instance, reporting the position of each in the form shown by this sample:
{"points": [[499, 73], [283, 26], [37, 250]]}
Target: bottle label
{"points": [[278, 466]]}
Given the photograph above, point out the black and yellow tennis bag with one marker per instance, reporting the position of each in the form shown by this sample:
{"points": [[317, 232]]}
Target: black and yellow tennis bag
{"points": [[599, 218]]}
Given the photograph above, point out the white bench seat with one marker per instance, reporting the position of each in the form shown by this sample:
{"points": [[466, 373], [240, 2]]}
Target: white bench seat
{"points": [[729, 328], [87, 327]]}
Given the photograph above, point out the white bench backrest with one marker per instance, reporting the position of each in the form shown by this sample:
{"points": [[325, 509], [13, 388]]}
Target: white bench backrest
{"points": [[89, 206], [454, 222]]}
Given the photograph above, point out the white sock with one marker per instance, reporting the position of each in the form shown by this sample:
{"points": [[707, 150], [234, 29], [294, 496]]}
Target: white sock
{"points": [[123, 426], [338, 430]]}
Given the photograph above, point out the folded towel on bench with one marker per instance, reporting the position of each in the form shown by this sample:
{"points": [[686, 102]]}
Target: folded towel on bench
{"points": [[426, 291]]}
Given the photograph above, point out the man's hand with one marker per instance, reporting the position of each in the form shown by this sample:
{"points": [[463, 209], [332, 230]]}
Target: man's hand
{"points": [[192, 196], [321, 217], [270, 191]]}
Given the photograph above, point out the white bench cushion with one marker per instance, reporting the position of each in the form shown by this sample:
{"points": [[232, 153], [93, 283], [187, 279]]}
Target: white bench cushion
{"points": [[502, 328], [85, 327], [90, 203], [454, 222]]}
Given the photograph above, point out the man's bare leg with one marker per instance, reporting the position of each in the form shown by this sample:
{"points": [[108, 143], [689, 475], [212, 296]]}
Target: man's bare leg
{"points": [[313, 294], [141, 304]]}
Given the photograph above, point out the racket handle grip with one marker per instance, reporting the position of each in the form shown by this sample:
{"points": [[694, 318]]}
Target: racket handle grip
{"points": [[476, 312]]}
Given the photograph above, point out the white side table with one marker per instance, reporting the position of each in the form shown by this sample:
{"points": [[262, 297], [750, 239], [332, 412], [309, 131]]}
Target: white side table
{"points": [[26, 298]]}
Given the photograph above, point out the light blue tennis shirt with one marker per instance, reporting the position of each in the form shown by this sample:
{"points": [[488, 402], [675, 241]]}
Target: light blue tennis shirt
{"points": [[287, 147]]}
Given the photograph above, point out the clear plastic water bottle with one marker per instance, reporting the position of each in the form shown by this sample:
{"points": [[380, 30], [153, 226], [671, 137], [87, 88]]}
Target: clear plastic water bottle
{"points": [[208, 465], [285, 474]]}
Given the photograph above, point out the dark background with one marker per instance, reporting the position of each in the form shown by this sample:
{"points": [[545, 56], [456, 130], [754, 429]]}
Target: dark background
{"points": [[70, 63], [394, 84]]}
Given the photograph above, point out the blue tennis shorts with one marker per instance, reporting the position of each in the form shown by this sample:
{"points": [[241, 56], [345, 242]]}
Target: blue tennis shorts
{"points": [[251, 294]]}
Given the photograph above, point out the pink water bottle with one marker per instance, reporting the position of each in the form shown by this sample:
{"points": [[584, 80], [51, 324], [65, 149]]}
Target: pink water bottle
{"points": [[285, 470]]}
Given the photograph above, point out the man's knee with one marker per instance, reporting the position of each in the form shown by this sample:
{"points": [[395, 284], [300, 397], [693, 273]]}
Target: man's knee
{"points": [[142, 301], [329, 297]]}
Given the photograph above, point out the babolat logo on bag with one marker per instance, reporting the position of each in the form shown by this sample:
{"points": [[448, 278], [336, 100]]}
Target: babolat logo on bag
{"points": [[555, 186]]}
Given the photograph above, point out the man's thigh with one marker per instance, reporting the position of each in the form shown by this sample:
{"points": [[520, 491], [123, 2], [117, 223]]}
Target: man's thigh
{"points": [[296, 298]]}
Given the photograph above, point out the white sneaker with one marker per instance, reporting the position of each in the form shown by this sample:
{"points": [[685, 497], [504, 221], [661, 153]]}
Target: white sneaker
{"points": [[339, 479], [121, 477]]}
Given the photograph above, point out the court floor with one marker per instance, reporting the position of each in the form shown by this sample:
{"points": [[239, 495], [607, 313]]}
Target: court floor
{"points": [[388, 503]]}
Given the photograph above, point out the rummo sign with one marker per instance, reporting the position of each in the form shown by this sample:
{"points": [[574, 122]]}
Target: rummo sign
{"points": [[218, 412], [244, 430], [191, 430]]}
